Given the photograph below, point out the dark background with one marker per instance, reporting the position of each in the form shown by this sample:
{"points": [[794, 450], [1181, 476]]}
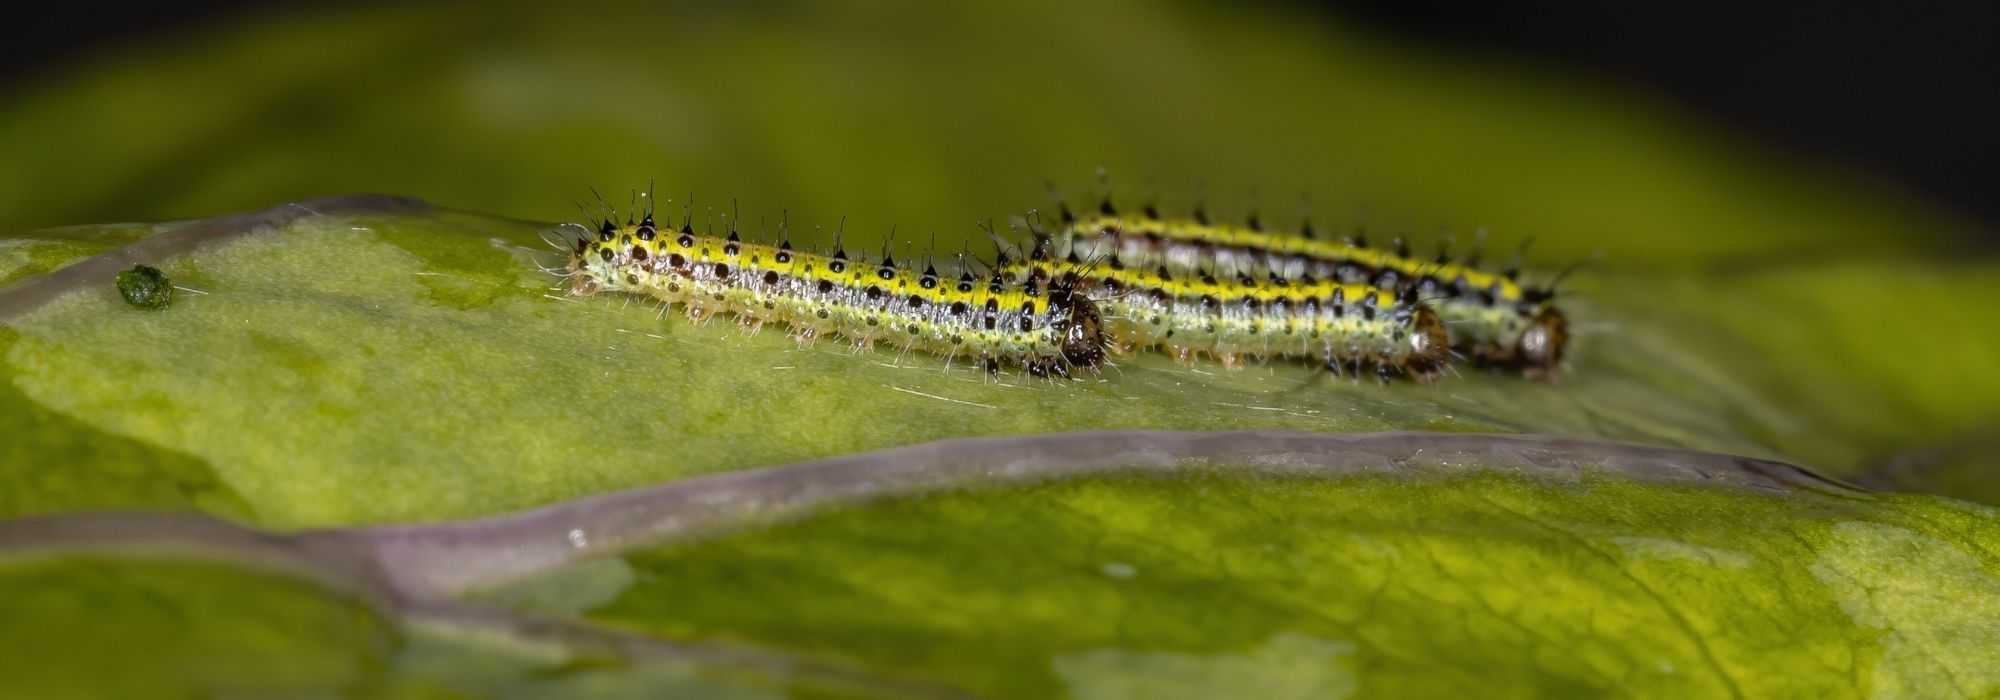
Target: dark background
{"points": [[1908, 91]]}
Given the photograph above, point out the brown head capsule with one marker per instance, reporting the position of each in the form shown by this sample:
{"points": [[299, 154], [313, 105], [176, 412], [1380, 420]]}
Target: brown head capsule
{"points": [[1081, 333], [1540, 347], [1429, 344]]}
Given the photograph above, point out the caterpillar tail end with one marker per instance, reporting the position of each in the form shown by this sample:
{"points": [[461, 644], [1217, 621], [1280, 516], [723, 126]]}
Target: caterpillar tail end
{"points": [[581, 284]]}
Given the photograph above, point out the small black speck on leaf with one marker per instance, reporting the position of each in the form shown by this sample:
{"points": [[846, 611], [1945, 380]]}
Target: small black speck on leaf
{"points": [[145, 287]]}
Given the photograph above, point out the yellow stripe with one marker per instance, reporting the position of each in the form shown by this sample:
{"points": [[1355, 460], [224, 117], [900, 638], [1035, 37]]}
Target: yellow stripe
{"points": [[1189, 231]]}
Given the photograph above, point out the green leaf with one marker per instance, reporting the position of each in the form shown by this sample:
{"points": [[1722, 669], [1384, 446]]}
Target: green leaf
{"points": [[417, 366], [1192, 584], [95, 626], [26, 255], [1212, 584], [177, 629]]}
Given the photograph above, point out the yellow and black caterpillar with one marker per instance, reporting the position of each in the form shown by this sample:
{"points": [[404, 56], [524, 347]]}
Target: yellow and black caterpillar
{"points": [[1493, 318], [1348, 328], [1046, 319], [1047, 331]]}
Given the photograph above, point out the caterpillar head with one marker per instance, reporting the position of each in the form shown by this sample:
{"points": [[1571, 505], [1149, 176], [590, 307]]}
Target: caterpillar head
{"points": [[1429, 343], [1079, 326], [1540, 347], [1082, 331]]}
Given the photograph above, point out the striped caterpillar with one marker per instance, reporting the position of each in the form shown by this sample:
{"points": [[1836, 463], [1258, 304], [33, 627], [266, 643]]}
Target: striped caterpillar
{"points": [[1344, 326], [1049, 322], [815, 295], [1492, 318]]}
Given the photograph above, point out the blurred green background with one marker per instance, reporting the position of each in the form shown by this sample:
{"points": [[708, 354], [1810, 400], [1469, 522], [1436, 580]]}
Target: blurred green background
{"points": [[922, 116]]}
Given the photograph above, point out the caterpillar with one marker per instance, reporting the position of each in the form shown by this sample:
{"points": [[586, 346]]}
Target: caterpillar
{"points": [[1047, 321], [1343, 326], [994, 324], [1493, 318]]}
